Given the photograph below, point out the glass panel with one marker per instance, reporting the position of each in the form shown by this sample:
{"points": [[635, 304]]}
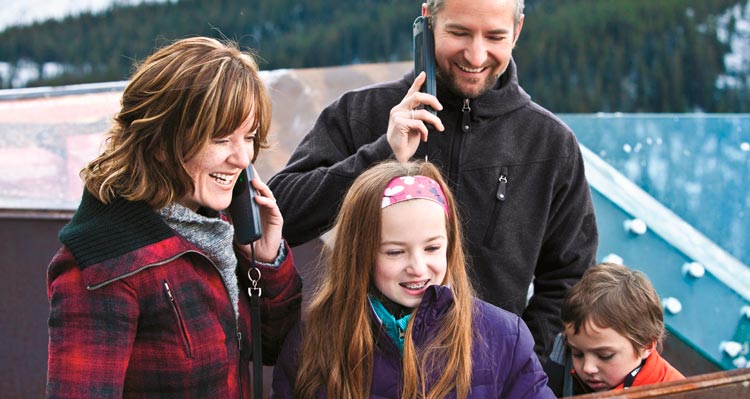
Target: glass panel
{"points": [[698, 165]]}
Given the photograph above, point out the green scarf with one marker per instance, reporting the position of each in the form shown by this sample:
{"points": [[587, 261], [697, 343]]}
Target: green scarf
{"points": [[395, 329]]}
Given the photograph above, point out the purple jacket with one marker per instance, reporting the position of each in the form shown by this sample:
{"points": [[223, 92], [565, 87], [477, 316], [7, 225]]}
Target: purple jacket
{"points": [[503, 359]]}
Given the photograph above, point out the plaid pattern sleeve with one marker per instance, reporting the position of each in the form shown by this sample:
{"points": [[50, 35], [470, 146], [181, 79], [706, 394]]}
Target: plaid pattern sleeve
{"points": [[90, 334]]}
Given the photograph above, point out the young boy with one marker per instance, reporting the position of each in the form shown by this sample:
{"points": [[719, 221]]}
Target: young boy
{"points": [[614, 326]]}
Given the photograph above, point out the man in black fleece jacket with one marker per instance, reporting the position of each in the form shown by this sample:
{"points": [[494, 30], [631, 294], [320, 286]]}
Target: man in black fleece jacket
{"points": [[516, 169]]}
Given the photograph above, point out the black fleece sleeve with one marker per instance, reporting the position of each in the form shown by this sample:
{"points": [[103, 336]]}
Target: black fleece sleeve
{"points": [[569, 248], [341, 145]]}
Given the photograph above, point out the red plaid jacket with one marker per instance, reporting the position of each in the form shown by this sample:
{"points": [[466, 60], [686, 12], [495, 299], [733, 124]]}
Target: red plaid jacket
{"points": [[154, 321]]}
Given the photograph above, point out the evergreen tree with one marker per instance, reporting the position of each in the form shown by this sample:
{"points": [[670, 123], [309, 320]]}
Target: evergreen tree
{"points": [[573, 55]]}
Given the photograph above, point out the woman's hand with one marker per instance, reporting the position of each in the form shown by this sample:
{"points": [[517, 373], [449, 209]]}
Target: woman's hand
{"points": [[406, 125], [267, 247]]}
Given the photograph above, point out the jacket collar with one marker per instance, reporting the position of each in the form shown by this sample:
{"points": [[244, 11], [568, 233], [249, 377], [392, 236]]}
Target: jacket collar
{"points": [[111, 241], [505, 97], [436, 302], [654, 370]]}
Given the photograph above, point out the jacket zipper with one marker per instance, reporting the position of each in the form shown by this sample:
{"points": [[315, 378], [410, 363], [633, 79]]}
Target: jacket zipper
{"points": [[180, 321], [456, 144], [239, 356], [240, 387], [501, 194], [502, 182], [136, 271], [465, 116]]}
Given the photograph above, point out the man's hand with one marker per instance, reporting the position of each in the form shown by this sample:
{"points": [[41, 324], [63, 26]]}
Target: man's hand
{"points": [[406, 125]]}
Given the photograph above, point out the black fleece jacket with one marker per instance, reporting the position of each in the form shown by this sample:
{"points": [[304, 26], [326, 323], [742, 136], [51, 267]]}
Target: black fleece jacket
{"points": [[515, 169]]}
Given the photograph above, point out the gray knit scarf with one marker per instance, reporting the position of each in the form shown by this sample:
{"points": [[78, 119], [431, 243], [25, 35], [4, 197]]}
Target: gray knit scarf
{"points": [[213, 236]]}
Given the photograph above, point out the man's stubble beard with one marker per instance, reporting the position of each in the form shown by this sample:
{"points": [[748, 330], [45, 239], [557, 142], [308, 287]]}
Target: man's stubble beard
{"points": [[449, 79]]}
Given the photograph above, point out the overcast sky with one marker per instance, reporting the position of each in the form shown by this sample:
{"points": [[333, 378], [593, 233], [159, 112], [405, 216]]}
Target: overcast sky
{"points": [[24, 12]]}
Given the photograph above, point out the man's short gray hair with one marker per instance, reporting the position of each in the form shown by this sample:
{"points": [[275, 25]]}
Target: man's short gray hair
{"points": [[434, 7]]}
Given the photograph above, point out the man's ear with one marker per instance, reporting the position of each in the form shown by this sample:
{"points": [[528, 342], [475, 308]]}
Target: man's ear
{"points": [[424, 10], [517, 33]]}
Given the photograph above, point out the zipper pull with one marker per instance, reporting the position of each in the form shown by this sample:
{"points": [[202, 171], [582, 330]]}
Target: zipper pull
{"points": [[239, 341], [502, 182], [168, 291], [465, 118]]}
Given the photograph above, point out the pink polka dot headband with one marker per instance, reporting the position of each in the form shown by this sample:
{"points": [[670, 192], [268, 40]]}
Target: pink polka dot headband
{"points": [[405, 188]]}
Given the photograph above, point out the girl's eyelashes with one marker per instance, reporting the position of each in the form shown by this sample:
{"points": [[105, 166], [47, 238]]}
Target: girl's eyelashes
{"points": [[394, 252]]}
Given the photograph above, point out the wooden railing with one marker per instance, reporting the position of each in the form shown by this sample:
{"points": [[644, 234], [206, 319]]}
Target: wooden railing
{"points": [[731, 384]]}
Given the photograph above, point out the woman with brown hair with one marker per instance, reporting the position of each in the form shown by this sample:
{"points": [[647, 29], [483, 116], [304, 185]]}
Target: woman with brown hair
{"points": [[149, 292]]}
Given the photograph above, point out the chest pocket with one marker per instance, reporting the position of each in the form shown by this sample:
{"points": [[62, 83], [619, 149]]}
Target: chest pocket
{"points": [[179, 320]]}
